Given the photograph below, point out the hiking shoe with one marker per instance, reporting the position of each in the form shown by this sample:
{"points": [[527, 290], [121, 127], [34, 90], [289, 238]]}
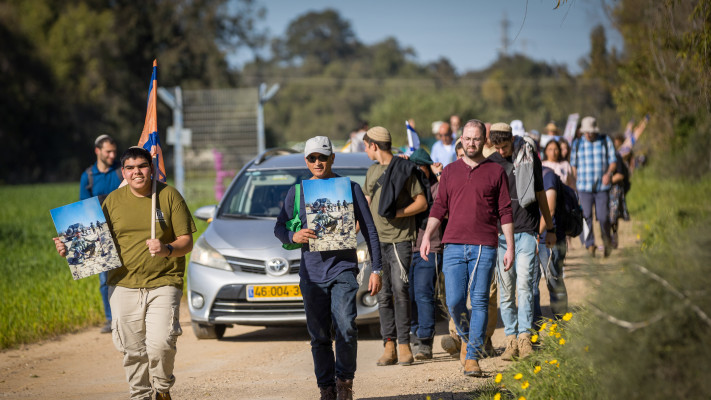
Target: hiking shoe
{"points": [[608, 251], [163, 396], [489, 348], [591, 251], [450, 345], [424, 350], [389, 356], [328, 393], [404, 354], [471, 368], [525, 348], [106, 328], [511, 350], [344, 389]]}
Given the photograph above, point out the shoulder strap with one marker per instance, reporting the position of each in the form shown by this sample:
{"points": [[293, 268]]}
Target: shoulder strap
{"points": [[89, 178], [297, 200], [119, 174]]}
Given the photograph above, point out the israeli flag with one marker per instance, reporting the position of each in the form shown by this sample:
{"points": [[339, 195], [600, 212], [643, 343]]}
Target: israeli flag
{"points": [[413, 140]]}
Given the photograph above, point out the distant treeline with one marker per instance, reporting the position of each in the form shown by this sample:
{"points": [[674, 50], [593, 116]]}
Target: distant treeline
{"points": [[73, 69]]}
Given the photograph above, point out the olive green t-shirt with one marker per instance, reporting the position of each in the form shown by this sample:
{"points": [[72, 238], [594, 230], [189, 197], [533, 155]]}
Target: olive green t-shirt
{"points": [[393, 230], [129, 219]]}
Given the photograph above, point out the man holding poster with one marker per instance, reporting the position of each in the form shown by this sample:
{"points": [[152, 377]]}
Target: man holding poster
{"points": [[145, 292], [328, 280]]}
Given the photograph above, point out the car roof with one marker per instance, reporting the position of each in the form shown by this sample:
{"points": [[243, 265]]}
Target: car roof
{"points": [[343, 160]]}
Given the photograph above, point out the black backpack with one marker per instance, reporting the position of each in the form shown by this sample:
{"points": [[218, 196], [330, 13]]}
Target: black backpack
{"points": [[572, 212]]}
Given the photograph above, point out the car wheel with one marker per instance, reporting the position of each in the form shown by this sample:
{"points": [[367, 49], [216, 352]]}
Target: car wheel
{"points": [[205, 331]]}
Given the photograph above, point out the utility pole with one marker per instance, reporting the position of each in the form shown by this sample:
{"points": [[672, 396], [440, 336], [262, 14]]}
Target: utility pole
{"points": [[504, 36], [175, 102], [264, 96]]}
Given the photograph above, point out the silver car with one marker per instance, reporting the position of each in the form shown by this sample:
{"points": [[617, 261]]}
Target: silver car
{"points": [[238, 271]]}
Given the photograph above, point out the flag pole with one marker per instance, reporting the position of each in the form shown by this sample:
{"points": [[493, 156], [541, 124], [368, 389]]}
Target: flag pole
{"points": [[153, 201]]}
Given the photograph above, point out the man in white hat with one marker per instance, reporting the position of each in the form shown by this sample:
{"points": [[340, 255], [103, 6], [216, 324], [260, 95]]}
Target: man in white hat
{"points": [[593, 161]]}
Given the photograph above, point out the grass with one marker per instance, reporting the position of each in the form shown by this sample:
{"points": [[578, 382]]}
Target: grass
{"points": [[661, 287], [39, 297]]}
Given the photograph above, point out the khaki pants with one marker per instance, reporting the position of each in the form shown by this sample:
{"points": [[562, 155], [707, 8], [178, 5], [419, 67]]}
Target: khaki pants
{"points": [[145, 328]]}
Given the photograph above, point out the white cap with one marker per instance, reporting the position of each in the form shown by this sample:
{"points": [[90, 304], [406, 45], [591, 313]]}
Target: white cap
{"points": [[318, 144], [517, 128]]}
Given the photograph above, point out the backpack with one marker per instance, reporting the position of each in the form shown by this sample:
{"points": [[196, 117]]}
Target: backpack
{"points": [[294, 224], [572, 212], [90, 181]]}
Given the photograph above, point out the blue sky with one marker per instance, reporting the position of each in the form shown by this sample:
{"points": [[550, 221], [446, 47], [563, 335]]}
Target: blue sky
{"points": [[85, 211], [334, 189], [468, 33]]}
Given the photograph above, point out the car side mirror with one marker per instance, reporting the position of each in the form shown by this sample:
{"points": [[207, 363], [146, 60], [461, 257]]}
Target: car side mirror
{"points": [[206, 213]]}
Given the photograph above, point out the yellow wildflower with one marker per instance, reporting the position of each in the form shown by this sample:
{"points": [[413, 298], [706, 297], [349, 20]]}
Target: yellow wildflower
{"points": [[536, 369], [525, 385], [567, 316], [498, 378], [534, 338], [497, 396], [557, 335], [587, 348], [561, 342], [518, 376], [521, 398], [543, 327], [554, 362], [554, 327]]}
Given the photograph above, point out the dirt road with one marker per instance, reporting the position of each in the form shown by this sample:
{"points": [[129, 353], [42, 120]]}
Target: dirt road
{"points": [[253, 362]]}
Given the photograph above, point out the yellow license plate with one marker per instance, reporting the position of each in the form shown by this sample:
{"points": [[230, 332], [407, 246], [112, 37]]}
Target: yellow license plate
{"points": [[273, 292]]}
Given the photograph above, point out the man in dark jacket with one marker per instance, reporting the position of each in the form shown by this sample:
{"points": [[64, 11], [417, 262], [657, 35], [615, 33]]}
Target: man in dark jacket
{"points": [[396, 197]]}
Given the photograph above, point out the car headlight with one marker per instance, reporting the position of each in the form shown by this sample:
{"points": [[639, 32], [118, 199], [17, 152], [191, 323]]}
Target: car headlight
{"points": [[362, 252], [206, 255]]}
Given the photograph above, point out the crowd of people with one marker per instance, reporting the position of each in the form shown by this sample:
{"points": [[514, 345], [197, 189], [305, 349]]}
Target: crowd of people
{"points": [[482, 212]]}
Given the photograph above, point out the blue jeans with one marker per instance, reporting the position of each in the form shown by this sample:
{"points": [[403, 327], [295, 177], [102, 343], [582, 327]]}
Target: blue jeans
{"points": [[601, 202], [468, 268], [518, 279], [423, 277], [332, 304], [104, 289], [554, 280]]}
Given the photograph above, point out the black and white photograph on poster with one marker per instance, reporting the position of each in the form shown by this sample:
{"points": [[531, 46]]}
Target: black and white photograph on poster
{"points": [[83, 229], [329, 212]]}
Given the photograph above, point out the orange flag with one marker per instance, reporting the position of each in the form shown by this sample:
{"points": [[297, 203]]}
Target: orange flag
{"points": [[149, 137]]}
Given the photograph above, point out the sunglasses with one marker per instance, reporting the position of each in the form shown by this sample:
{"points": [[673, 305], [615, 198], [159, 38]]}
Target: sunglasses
{"points": [[320, 157]]}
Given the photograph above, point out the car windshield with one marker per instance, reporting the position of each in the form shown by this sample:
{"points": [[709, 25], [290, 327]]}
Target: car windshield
{"points": [[261, 193]]}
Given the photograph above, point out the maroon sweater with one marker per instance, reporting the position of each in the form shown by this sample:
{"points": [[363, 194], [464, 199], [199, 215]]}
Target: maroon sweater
{"points": [[475, 199]]}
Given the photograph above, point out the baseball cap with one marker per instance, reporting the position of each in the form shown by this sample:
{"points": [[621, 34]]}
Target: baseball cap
{"points": [[318, 144]]}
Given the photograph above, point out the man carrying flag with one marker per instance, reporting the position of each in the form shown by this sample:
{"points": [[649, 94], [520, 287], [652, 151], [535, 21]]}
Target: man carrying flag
{"points": [[145, 292]]}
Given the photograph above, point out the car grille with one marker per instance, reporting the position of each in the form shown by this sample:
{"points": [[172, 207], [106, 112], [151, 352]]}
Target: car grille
{"points": [[257, 266], [231, 301]]}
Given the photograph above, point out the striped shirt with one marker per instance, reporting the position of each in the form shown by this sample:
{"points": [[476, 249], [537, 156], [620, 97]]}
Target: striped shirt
{"points": [[592, 159]]}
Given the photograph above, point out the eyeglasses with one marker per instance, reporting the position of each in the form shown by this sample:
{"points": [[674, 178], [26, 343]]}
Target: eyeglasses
{"points": [[320, 157]]}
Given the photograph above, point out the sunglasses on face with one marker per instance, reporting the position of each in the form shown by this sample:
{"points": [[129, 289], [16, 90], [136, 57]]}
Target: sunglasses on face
{"points": [[320, 157]]}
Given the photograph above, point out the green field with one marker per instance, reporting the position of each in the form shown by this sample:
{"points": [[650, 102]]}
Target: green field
{"points": [[39, 297]]}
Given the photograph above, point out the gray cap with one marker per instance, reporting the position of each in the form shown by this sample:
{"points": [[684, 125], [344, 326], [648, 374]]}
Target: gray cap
{"points": [[318, 144]]}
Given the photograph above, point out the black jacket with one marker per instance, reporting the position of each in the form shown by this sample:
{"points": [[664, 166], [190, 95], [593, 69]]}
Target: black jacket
{"points": [[393, 181]]}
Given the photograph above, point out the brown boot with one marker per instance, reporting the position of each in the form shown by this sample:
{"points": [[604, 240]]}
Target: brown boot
{"points": [[511, 350], [471, 368], [489, 348], [450, 345], [344, 389], [463, 353], [389, 356], [163, 396], [328, 393], [404, 354], [525, 348]]}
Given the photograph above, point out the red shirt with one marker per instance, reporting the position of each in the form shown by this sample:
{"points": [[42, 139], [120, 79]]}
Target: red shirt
{"points": [[475, 199]]}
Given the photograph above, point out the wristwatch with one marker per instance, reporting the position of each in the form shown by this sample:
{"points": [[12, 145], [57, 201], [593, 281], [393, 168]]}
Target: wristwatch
{"points": [[438, 173], [170, 249], [379, 273]]}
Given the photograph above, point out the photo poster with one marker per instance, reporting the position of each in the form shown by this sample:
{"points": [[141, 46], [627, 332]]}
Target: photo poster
{"points": [[329, 212], [83, 229], [569, 132]]}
